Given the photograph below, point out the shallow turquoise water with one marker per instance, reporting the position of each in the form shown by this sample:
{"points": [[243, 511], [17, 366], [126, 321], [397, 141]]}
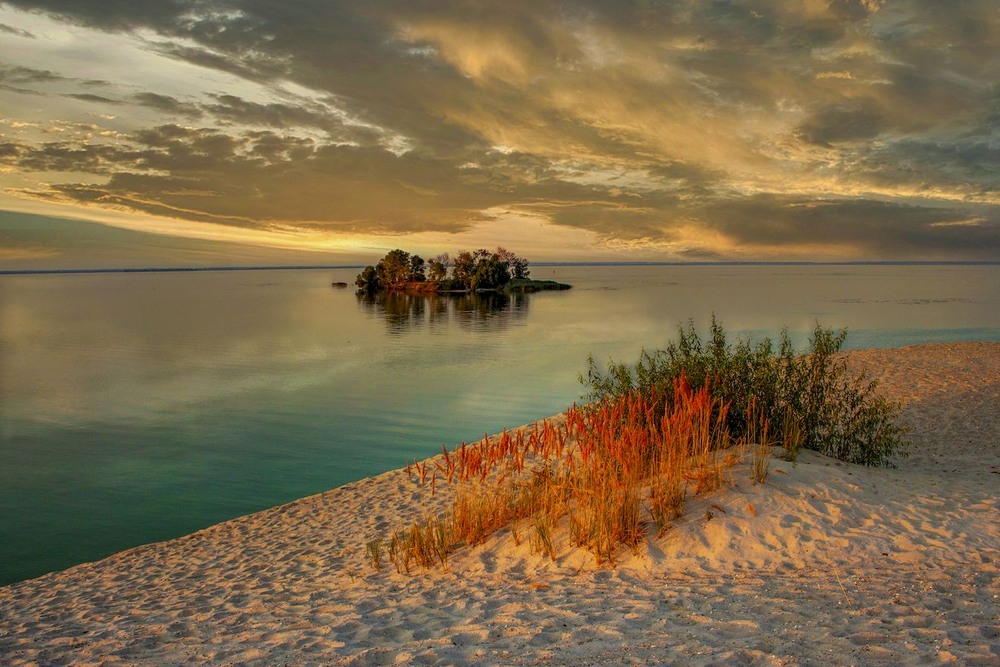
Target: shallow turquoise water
{"points": [[140, 407]]}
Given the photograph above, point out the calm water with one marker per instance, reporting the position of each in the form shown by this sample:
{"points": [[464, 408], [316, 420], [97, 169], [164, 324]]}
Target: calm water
{"points": [[140, 407]]}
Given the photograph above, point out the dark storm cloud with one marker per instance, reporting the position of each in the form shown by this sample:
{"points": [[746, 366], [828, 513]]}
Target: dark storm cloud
{"points": [[788, 125], [969, 164], [65, 157], [251, 66], [167, 104], [16, 31], [286, 116], [261, 178], [882, 225], [110, 14], [25, 75], [231, 107], [19, 90], [881, 228], [90, 97], [838, 124]]}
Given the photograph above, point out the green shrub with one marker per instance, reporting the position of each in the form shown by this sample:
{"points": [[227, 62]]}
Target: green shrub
{"points": [[811, 395]]}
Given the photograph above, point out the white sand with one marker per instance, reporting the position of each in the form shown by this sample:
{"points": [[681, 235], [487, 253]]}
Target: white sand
{"points": [[834, 564]]}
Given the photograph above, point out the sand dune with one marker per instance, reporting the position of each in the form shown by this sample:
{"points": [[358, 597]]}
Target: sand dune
{"points": [[827, 563]]}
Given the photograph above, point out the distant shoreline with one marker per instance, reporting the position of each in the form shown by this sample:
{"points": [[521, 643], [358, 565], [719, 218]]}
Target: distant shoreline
{"points": [[323, 267], [177, 269]]}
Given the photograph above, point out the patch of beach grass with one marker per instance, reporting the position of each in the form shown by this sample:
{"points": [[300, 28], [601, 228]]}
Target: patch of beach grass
{"points": [[604, 473], [653, 434]]}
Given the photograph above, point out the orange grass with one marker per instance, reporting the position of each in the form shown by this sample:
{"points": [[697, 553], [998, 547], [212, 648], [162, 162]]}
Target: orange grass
{"points": [[603, 468]]}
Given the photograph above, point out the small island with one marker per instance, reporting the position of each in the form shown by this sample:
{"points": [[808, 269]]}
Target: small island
{"points": [[478, 271]]}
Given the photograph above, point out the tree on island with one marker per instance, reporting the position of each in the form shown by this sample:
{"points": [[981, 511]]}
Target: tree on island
{"points": [[437, 268], [478, 270], [417, 269], [395, 268], [518, 266]]}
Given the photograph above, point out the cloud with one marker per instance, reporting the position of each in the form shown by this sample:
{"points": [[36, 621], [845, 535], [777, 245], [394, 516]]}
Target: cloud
{"points": [[26, 75], [694, 129], [91, 97], [843, 124], [32, 242], [259, 179], [167, 104], [114, 15], [16, 31], [885, 228], [964, 167]]}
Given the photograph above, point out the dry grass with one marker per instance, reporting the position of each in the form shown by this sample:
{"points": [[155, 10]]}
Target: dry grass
{"points": [[373, 551], [604, 473], [757, 438], [426, 543]]}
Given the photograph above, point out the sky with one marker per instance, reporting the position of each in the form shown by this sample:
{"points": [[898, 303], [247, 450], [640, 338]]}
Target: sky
{"points": [[322, 131]]}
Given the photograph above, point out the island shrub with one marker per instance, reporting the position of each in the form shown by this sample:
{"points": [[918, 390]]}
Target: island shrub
{"points": [[809, 399]]}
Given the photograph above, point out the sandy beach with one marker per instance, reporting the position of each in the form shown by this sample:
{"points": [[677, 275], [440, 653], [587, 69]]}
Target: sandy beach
{"points": [[826, 564]]}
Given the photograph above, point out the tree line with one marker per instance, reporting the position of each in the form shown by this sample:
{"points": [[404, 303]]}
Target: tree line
{"points": [[476, 270]]}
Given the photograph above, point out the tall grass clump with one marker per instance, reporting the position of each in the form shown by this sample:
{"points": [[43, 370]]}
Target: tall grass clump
{"points": [[426, 543], [595, 479], [809, 398], [653, 435]]}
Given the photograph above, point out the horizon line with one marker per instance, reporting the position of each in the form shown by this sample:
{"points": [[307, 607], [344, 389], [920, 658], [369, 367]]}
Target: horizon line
{"points": [[320, 267]]}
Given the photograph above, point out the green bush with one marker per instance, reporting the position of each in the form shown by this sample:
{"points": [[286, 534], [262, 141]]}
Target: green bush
{"points": [[830, 410]]}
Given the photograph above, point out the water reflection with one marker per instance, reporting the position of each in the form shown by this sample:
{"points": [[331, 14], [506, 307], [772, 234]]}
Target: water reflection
{"points": [[476, 312], [138, 407]]}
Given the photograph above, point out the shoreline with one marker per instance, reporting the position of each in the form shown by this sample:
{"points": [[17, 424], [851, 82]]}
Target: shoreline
{"points": [[834, 563]]}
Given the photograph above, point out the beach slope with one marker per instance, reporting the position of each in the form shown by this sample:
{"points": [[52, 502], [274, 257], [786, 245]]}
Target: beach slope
{"points": [[826, 563]]}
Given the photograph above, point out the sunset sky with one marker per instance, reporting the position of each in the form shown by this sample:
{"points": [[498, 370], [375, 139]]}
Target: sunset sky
{"points": [[214, 131]]}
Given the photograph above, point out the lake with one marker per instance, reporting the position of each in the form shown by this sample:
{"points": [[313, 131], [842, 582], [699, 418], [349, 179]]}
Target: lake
{"points": [[139, 407]]}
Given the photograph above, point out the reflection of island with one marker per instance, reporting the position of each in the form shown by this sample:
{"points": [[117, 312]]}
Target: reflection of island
{"points": [[475, 311], [480, 291]]}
